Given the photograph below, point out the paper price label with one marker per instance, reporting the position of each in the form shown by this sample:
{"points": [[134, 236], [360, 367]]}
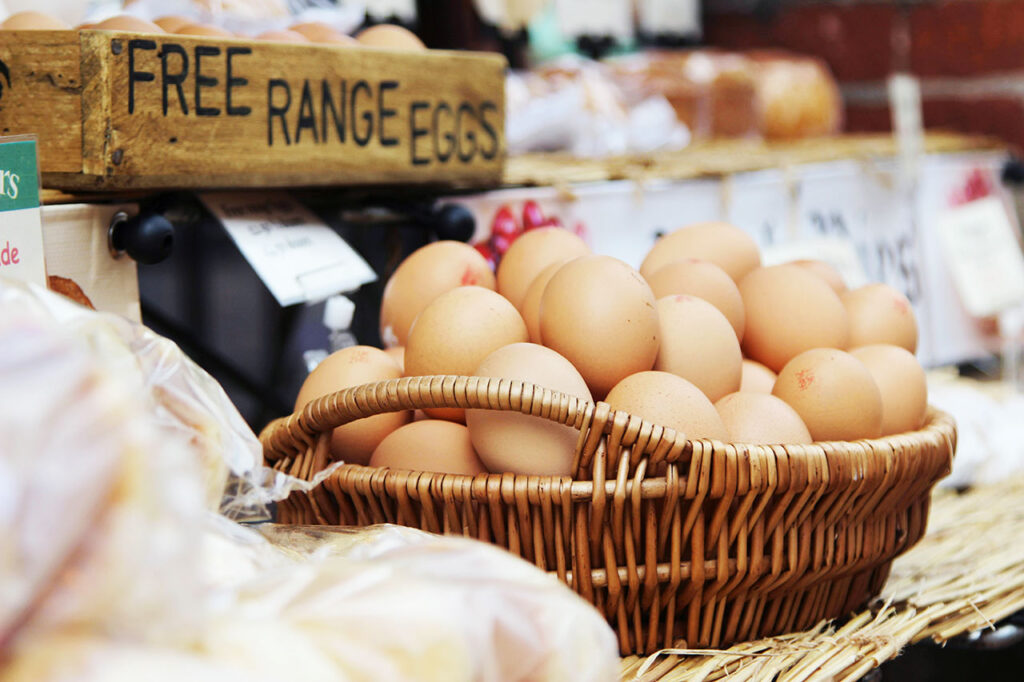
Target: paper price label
{"points": [[832, 201], [596, 17], [670, 16], [838, 252], [758, 203], [21, 227], [297, 256], [984, 256]]}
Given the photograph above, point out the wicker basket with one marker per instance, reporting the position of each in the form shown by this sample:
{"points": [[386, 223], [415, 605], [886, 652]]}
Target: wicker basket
{"points": [[700, 541]]}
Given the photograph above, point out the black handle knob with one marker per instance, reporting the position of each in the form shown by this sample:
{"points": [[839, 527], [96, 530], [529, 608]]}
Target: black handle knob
{"points": [[1013, 172], [453, 221], [147, 238]]}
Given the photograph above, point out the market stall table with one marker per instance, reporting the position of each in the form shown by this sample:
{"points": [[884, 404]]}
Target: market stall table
{"points": [[966, 574]]}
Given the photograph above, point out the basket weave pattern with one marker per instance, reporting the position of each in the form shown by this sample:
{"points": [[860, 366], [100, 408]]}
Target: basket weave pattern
{"points": [[671, 539]]}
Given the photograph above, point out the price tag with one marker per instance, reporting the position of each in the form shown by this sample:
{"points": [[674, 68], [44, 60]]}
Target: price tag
{"points": [[838, 252], [758, 203], [21, 228], [681, 17], [984, 256], [596, 18], [890, 248], [905, 103], [405, 10], [832, 201], [297, 256]]}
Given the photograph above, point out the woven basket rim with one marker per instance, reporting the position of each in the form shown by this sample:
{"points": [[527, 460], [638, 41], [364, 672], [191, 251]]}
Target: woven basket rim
{"points": [[934, 423], [937, 425]]}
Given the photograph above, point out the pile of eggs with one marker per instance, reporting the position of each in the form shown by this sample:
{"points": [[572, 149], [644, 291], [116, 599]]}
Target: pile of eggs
{"points": [[701, 339], [382, 35]]}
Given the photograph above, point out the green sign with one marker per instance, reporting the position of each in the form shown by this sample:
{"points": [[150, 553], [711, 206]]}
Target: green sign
{"points": [[19, 175], [21, 231]]}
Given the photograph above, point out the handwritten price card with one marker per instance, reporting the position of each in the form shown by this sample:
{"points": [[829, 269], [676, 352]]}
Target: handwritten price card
{"points": [[21, 229], [297, 256]]}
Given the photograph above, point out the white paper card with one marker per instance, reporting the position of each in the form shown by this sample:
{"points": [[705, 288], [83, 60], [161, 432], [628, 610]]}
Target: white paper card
{"points": [[832, 201], [21, 246], [297, 256], [759, 204], [984, 256], [905, 103], [838, 252], [596, 18], [21, 228], [670, 16]]}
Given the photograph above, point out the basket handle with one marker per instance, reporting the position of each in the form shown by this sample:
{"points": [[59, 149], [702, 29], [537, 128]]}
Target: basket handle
{"points": [[292, 435], [296, 434]]}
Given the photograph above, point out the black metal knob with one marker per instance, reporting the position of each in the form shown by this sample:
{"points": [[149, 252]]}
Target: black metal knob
{"points": [[1013, 172], [453, 221], [147, 238]]}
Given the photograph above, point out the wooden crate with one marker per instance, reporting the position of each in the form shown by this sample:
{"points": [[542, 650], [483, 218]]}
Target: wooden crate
{"points": [[116, 111]]}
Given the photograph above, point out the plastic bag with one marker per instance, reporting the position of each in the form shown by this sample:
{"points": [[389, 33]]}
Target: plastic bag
{"points": [[98, 503], [114, 565], [572, 104]]}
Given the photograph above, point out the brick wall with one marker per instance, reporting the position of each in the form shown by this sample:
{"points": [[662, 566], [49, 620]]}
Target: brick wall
{"points": [[969, 54]]}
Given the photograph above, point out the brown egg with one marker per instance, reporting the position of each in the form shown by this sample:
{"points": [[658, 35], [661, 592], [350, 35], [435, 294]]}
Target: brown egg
{"points": [[834, 394], [32, 21], [456, 332], [789, 310], [530, 307], [902, 383], [519, 443], [283, 37], [430, 445], [600, 314], [703, 280], [322, 33], [427, 273], [391, 37], [398, 355], [204, 30], [172, 22], [125, 22], [725, 245], [698, 344], [756, 377], [668, 400], [826, 272], [761, 419], [354, 442], [880, 314], [530, 254]]}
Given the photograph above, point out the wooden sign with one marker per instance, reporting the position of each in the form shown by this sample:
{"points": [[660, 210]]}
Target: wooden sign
{"points": [[122, 111]]}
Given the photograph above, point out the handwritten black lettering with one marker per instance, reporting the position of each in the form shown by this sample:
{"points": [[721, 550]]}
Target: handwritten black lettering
{"points": [[492, 134], [204, 81], [231, 82], [174, 79], [274, 110], [306, 118], [327, 102], [137, 76], [416, 132], [469, 135], [384, 113], [443, 156], [367, 116]]}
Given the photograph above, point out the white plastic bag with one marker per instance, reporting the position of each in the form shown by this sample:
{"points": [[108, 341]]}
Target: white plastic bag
{"points": [[114, 566]]}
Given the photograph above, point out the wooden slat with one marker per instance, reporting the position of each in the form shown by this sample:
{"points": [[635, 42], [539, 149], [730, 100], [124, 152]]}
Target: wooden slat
{"points": [[724, 157], [41, 94], [168, 111]]}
